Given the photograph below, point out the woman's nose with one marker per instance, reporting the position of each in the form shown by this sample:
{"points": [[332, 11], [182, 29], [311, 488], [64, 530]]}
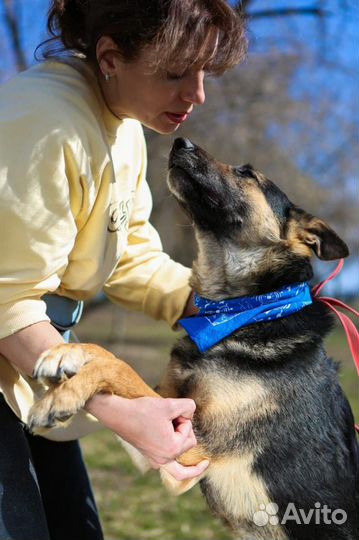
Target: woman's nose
{"points": [[193, 90]]}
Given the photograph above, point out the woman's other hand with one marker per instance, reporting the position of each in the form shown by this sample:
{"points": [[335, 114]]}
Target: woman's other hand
{"points": [[161, 429]]}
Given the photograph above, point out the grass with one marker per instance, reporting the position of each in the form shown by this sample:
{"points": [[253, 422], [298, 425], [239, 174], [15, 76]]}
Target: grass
{"points": [[133, 506], [338, 348], [137, 507]]}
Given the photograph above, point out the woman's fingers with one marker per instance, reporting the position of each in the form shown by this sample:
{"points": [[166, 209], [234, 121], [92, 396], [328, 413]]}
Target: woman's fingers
{"points": [[159, 428], [185, 437], [182, 426], [181, 407], [180, 472]]}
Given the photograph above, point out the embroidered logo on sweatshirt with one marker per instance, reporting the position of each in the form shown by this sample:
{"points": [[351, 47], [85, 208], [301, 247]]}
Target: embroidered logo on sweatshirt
{"points": [[119, 216]]}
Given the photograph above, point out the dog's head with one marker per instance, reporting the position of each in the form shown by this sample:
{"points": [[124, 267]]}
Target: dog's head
{"points": [[246, 225]]}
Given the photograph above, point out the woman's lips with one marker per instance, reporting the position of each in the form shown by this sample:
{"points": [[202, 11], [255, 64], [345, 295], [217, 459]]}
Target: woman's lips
{"points": [[177, 118]]}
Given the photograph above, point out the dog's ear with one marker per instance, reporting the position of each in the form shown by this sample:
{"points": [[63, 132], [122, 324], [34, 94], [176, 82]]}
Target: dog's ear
{"points": [[317, 235]]}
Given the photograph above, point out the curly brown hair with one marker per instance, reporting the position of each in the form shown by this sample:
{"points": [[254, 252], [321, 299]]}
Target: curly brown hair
{"points": [[178, 30]]}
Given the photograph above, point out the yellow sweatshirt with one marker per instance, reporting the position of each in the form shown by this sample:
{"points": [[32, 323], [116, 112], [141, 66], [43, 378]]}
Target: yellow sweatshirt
{"points": [[74, 212]]}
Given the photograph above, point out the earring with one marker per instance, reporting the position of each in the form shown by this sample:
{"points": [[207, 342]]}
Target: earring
{"points": [[107, 77]]}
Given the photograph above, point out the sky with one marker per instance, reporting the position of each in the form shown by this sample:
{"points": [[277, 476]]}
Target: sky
{"points": [[323, 44], [333, 40]]}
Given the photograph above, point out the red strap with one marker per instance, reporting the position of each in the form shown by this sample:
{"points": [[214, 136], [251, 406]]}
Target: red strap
{"points": [[348, 325], [317, 288]]}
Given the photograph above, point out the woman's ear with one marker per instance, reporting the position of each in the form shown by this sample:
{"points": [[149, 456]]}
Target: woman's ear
{"points": [[317, 235], [107, 55]]}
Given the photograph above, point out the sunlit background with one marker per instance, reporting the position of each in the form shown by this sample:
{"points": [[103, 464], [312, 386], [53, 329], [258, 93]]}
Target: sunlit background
{"points": [[292, 111]]}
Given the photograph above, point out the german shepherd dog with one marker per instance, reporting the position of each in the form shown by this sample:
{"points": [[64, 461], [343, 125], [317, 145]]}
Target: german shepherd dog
{"points": [[271, 416]]}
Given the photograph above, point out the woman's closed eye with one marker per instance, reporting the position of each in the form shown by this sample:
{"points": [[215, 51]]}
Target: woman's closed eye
{"points": [[173, 76]]}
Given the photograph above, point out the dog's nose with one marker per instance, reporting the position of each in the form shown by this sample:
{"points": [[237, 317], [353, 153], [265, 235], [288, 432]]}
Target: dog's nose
{"points": [[181, 142]]}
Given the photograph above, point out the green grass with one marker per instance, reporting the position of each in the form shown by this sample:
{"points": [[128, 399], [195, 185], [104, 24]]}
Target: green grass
{"points": [[137, 507], [338, 348]]}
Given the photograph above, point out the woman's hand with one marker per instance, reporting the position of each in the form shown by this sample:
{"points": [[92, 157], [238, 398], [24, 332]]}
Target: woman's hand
{"points": [[190, 307], [161, 429]]}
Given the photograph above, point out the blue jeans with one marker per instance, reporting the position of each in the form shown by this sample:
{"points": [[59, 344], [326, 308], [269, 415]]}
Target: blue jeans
{"points": [[45, 492]]}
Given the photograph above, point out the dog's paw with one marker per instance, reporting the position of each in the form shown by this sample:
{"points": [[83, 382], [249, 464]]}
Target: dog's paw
{"points": [[178, 487], [60, 363], [55, 408]]}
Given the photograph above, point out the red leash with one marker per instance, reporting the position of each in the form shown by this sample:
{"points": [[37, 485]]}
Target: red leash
{"points": [[348, 325]]}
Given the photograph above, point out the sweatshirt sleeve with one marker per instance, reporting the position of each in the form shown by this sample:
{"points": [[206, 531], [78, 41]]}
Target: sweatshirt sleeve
{"points": [[36, 221], [146, 279]]}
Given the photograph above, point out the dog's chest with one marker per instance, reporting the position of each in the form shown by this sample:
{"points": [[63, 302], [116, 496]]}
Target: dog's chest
{"points": [[224, 395]]}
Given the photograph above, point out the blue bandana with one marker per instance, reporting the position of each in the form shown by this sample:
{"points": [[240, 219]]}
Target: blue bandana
{"points": [[217, 320]]}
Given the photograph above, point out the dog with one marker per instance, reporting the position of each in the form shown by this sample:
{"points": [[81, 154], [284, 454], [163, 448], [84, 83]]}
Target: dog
{"points": [[271, 416]]}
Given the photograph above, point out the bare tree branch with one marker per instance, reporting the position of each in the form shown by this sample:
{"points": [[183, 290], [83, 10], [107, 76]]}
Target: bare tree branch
{"points": [[11, 22], [285, 12], [243, 7]]}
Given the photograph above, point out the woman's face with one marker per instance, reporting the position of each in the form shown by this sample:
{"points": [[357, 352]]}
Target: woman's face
{"points": [[160, 100]]}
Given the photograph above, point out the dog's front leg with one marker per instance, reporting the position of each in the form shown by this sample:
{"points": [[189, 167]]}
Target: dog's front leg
{"points": [[82, 370], [63, 361], [192, 457]]}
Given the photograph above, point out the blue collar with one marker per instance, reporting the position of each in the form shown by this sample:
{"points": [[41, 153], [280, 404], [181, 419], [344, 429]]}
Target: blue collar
{"points": [[217, 320]]}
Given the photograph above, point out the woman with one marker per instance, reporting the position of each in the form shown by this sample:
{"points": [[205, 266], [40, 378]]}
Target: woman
{"points": [[75, 204]]}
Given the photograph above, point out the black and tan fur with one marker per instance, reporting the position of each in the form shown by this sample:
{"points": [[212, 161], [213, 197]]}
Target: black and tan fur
{"points": [[271, 416]]}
